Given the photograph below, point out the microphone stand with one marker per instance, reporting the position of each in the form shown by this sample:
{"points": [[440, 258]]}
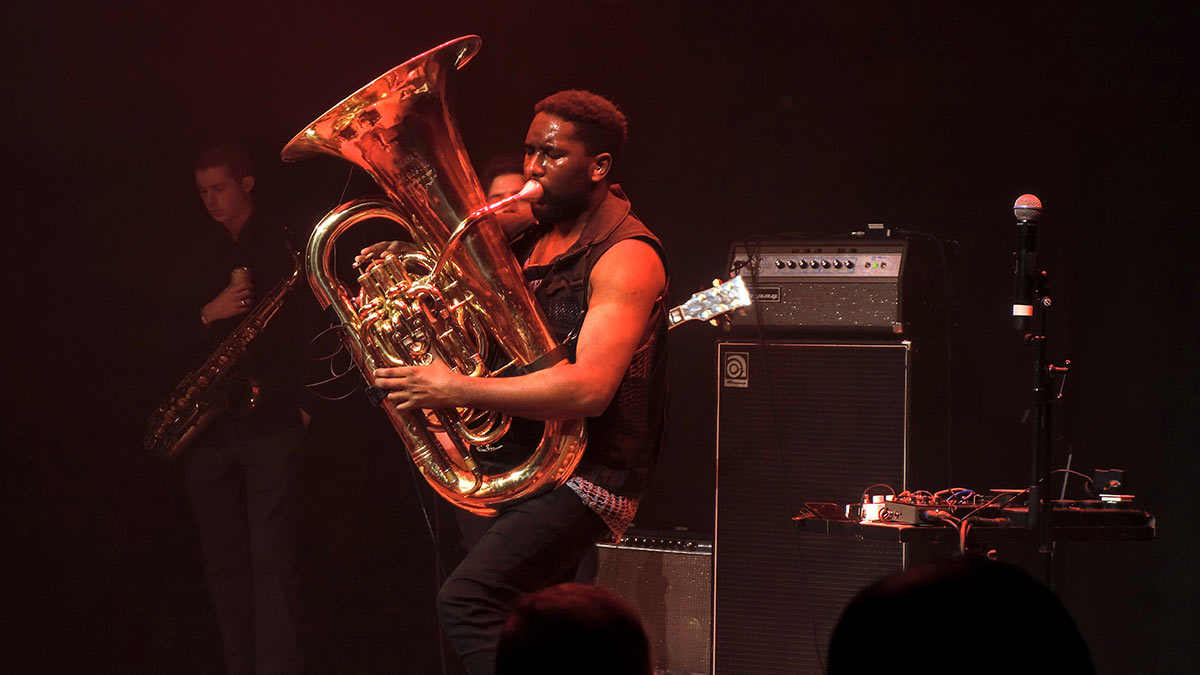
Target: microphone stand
{"points": [[1040, 502]]}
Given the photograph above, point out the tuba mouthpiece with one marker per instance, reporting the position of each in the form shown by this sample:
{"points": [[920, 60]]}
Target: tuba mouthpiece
{"points": [[531, 192]]}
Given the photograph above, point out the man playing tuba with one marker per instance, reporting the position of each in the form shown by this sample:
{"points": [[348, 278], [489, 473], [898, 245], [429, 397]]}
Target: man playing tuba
{"points": [[600, 276]]}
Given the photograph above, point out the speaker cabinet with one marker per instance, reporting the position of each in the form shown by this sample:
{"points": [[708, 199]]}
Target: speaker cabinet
{"points": [[669, 582], [799, 422]]}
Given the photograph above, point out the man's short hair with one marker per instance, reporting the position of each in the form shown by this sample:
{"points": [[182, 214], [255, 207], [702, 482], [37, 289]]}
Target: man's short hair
{"points": [[600, 123], [501, 165], [231, 156]]}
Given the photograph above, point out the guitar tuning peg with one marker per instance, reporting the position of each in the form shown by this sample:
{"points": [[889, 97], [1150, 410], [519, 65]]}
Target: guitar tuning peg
{"points": [[714, 322], [716, 282]]}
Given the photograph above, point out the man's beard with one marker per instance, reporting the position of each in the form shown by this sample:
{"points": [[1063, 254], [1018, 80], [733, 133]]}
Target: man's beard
{"points": [[557, 208]]}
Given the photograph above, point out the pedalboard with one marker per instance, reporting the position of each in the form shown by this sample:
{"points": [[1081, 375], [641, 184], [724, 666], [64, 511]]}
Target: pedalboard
{"points": [[918, 514], [925, 510], [1072, 513]]}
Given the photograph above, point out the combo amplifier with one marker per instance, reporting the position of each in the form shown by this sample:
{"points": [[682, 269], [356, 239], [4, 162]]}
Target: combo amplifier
{"points": [[821, 286], [667, 578]]}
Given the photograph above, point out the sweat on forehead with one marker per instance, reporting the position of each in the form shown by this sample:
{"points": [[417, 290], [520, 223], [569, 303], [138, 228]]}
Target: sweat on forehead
{"points": [[599, 123]]}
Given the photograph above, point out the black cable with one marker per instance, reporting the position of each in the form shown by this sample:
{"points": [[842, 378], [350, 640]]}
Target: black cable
{"points": [[1011, 495], [439, 565], [334, 376], [867, 490], [752, 256], [1064, 419], [946, 297], [963, 530], [346, 185], [418, 483], [1072, 472], [955, 492]]}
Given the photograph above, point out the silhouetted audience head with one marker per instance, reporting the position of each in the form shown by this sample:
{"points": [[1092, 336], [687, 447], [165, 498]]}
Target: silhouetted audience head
{"points": [[968, 613], [573, 628]]}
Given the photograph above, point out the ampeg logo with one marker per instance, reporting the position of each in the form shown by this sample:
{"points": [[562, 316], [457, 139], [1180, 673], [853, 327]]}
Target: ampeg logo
{"points": [[765, 294], [737, 369]]}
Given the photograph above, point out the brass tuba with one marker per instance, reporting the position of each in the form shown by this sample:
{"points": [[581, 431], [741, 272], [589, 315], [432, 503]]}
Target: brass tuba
{"points": [[455, 293]]}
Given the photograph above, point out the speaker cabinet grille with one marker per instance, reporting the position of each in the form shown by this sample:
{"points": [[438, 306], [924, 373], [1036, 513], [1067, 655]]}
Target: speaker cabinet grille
{"points": [[800, 422], [670, 585]]}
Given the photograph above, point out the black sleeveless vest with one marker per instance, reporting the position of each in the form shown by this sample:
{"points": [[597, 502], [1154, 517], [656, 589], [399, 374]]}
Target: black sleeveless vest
{"points": [[624, 442]]}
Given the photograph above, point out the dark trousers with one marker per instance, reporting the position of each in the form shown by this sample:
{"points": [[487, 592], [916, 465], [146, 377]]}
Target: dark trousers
{"points": [[532, 545], [243, 494]]}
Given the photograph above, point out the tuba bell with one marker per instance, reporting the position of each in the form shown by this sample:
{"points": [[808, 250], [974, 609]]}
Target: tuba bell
{"points": [[454, 293]]}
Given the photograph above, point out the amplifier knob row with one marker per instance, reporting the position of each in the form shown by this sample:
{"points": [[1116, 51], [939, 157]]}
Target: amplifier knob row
{"points": [[813, 263]]}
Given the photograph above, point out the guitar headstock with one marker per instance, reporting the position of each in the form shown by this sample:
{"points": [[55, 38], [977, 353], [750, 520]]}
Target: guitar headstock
{"points": [[713, 302]]}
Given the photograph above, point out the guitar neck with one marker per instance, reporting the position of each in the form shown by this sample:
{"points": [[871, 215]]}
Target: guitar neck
{"points": [[711, 303]]}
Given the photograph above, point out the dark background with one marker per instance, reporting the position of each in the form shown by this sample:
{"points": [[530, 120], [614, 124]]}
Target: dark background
{"points": [[745, 119]]}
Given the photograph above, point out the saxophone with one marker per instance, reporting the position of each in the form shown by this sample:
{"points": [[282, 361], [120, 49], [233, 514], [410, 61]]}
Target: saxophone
{"points": [[205, 392], [455, 292]]}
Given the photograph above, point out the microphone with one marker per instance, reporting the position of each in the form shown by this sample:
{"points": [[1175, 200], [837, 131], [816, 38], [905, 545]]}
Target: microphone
{"points": [[1027, 209]]}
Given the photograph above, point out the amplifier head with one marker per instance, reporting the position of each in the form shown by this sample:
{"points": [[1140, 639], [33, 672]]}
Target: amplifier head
{"points": [[821, 286]]}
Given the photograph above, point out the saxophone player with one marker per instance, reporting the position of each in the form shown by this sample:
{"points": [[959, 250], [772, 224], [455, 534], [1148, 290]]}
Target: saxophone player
{"points": [[600, 275], [241, 472]]}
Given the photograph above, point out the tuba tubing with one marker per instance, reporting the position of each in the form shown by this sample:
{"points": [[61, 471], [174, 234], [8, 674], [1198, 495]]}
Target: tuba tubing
{"points": [[456, 294]]}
